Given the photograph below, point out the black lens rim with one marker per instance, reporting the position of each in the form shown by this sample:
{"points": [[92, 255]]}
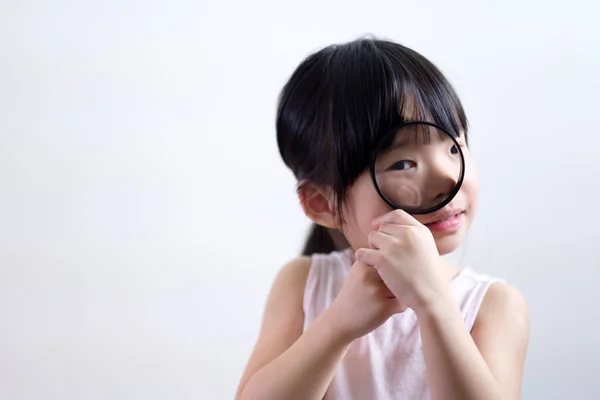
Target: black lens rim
{"points": [[415, 211]]}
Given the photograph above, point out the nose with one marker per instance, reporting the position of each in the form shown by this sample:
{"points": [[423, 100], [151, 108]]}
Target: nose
{"points": [[443, 173]]}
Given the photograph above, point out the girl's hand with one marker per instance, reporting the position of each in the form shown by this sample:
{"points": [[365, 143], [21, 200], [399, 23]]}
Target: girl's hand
{"points": [[404, 253], [363, 303]]}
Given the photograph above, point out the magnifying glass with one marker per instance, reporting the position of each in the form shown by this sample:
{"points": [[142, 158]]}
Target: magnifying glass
{"points": [[418, 167]]}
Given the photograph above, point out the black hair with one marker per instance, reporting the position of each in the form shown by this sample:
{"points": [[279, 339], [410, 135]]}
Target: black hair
{"points": [[341, 100]]}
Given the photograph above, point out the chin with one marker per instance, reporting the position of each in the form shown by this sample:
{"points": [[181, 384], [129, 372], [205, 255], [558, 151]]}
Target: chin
{"points": [[445, 249], [449, 243]]}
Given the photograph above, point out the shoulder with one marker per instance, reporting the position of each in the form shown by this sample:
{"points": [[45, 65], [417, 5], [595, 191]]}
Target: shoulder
{"points": [[291, 279], [506, 301], [504, 309], [295, 270], [495, 295], [283, 309]]}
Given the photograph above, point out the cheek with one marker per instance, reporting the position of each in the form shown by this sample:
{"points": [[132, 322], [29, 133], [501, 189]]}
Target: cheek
{"points": [[470, 186], [363, 205]]}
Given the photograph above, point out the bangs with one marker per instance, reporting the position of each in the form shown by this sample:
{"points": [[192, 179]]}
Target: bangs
{"points": [[377, 86]]}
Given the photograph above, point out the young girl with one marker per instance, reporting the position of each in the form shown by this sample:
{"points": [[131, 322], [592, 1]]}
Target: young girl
{"points": [[372, 310]]}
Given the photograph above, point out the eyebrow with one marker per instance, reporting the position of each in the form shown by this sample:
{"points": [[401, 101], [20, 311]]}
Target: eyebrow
{"points": [[411, 136], [402, 140]]}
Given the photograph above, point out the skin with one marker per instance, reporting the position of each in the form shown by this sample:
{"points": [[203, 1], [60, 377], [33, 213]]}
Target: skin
{"points": [[397, 264]]}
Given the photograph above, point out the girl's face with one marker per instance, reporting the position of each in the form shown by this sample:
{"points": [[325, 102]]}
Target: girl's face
{"points": [[363, 204]]}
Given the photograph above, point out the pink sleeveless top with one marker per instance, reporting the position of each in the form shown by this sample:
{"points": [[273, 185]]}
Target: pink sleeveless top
{"points": [[388, 362]]}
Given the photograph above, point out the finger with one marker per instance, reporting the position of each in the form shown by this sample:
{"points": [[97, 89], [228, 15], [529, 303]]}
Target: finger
{"points": [[395, 230], [385, 290], [378, 240], [398, 216], [368, 270], [360, 265], [368, 256]]}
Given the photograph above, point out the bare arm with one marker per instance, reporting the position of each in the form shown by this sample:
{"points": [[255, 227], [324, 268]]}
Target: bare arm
{"points": [[286, 363], [484, 365]]}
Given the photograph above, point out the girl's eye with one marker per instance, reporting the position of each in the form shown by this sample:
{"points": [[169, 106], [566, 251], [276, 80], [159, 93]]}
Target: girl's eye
{"points": [[454, 149], [402, 165]]}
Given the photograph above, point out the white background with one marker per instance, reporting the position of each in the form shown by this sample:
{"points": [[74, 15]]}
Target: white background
{"points": [[144, 210]]}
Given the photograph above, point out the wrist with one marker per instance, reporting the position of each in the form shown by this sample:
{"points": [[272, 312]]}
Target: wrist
{"points": [[436, 305], [335, 329]]}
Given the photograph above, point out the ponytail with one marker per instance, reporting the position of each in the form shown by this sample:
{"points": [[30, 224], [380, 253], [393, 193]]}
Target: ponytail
{"points": [[323, 240]]}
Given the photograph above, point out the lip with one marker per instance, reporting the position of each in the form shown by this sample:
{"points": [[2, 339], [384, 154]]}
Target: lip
{"points": [[450, 224], [444, 214]]}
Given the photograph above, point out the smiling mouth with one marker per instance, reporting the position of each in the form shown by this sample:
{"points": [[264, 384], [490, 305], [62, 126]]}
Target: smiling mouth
{"points": [[450, 217]]}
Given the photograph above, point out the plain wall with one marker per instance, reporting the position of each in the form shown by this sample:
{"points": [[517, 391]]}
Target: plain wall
{"points": [[144, 209]]}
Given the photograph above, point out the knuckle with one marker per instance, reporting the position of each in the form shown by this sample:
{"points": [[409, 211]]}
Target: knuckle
{"points": [[419, 230], [405, 230], [385, 260], [414, 233], [397, 213]]}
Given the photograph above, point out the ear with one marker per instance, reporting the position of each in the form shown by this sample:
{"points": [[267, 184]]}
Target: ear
{"points": [[319, 204]]}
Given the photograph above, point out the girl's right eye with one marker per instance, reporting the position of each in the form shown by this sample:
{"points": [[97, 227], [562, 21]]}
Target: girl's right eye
{"points": [[402, 165]]}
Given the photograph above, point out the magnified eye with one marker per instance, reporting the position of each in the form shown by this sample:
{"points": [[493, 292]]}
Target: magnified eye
{"points": [[402, 165], [454, 149]]}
